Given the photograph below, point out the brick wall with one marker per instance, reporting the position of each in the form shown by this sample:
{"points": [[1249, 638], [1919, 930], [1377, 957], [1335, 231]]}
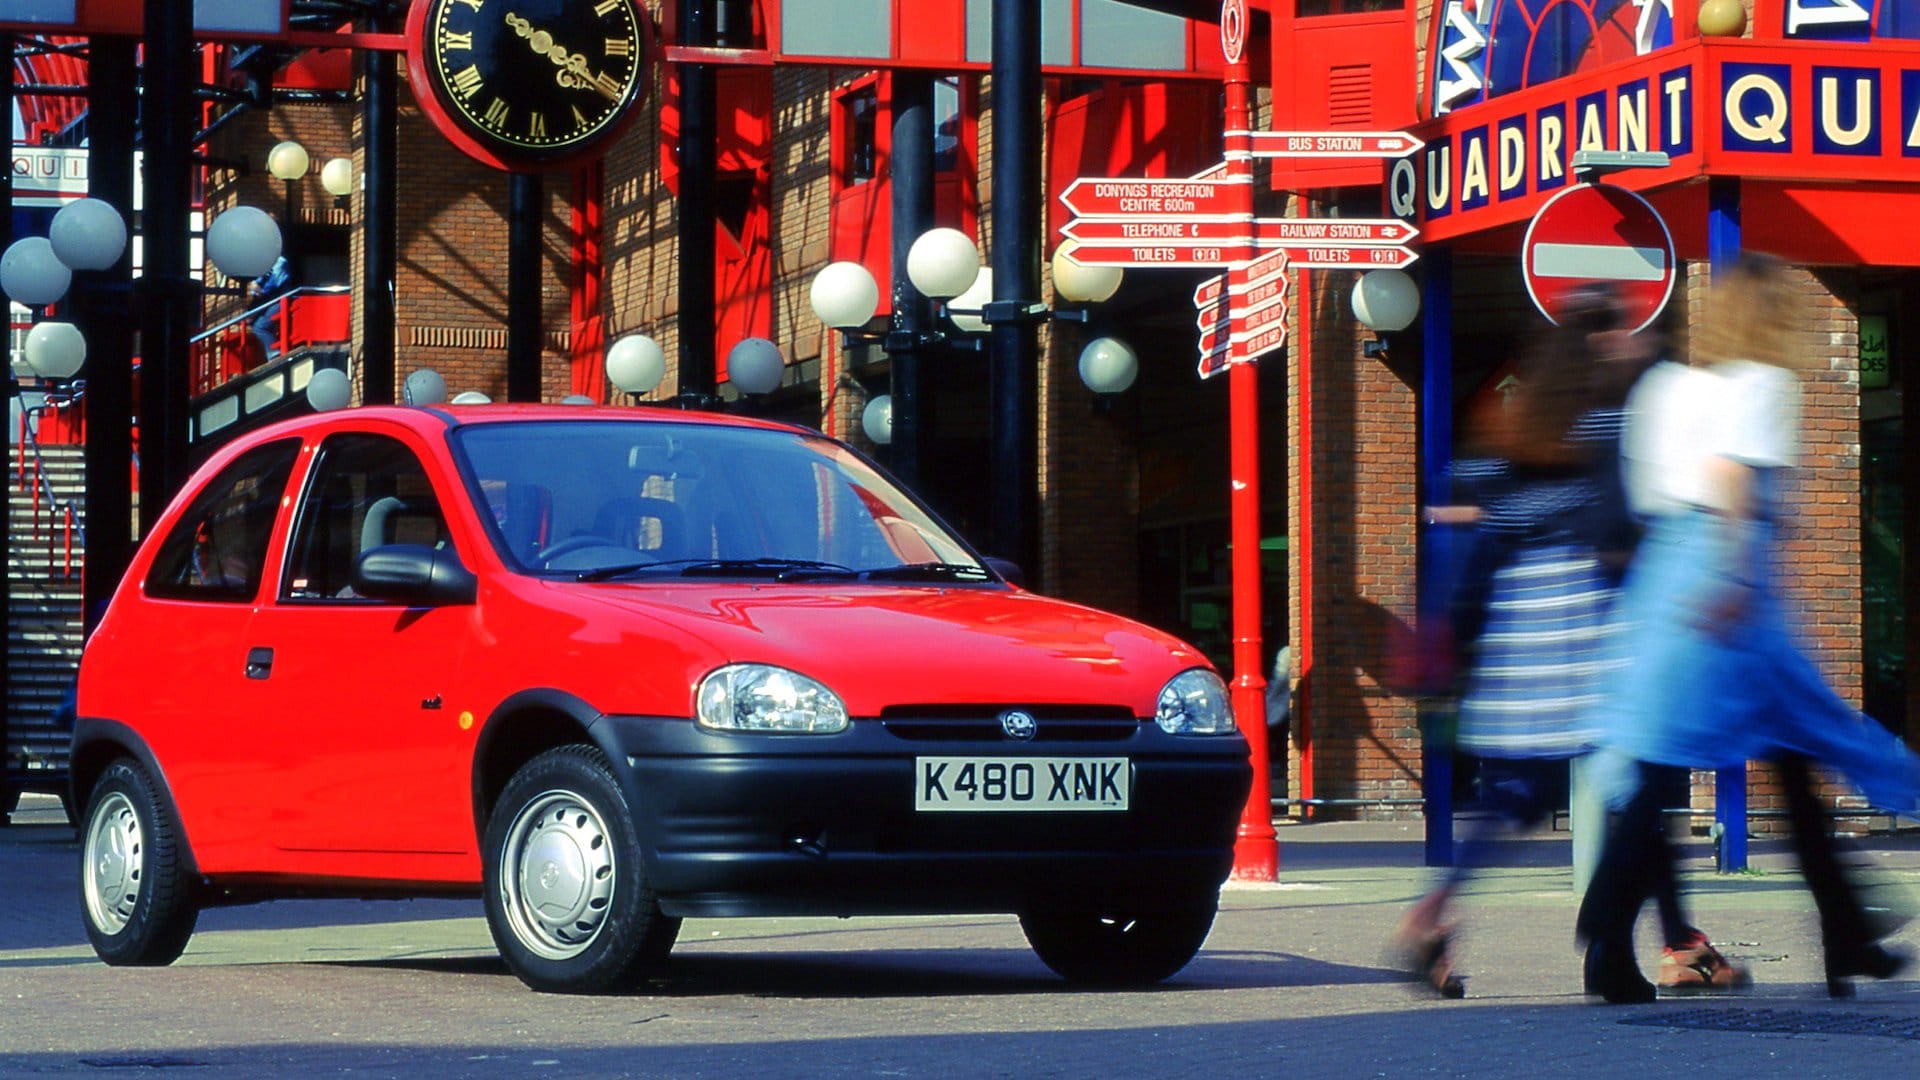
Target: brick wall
{"points": [[1364, 462]]}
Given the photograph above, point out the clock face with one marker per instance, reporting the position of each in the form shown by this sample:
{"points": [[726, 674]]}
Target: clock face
{"points": [[531, 81]]}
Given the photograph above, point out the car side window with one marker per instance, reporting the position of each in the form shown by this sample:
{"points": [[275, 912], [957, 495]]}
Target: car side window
{"points": [[366, 491], [217, 551]]}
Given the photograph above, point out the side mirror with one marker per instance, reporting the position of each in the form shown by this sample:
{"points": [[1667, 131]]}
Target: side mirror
{"points": [[1007, 569], [413, 575]]}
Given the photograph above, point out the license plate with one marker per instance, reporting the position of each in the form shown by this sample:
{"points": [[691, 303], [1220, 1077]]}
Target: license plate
{"points": [[1020, 783]]}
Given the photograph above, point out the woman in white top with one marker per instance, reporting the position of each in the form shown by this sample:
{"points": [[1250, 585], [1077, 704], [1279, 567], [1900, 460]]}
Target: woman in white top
{"points": [[1717, 677]]}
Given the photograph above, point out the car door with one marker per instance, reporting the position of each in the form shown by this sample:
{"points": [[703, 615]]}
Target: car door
{"points": [[184, 690], [365, 691]]}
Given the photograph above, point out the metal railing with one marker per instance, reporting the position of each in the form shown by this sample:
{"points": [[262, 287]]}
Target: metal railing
{"points": [[30, 473], [306, 316]]}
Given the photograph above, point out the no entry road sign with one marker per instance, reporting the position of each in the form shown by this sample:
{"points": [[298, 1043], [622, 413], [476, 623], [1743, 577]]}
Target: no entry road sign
{"points": [[1599, 233]]}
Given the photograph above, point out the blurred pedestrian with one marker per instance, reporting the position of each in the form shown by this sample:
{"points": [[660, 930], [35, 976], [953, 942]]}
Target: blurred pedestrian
{"points": [[1532, 612], [1716, 676]]}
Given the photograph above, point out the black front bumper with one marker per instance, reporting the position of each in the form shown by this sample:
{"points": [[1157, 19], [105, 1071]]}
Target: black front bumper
{"points": [[825, 824]]}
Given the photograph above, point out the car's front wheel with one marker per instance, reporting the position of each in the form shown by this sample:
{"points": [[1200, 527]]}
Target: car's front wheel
{"points": [[567, 898], [1118, 948], [136, 888]]}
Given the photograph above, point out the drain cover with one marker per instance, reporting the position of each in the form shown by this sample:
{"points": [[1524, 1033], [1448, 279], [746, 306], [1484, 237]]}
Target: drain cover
{"points": [[1784, 1022]]}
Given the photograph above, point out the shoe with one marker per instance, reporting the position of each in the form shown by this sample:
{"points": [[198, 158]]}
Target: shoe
{"points": [[1426, 953], [1611, 974], [1697, 967], [1872, 960]]}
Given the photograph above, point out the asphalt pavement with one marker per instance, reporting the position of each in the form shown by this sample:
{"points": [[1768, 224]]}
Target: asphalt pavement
{"points": [[1295, 981]]}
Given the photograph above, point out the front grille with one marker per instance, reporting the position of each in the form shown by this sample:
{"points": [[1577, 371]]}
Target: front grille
{"points": [[973, 723]]}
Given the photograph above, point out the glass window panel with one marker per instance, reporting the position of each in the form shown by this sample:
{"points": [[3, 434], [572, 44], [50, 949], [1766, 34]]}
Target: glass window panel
{"points": [[836, 28], [1113, 34]]}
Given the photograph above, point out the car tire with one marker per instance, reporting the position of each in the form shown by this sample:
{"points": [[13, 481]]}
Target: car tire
{"points": [[1111, 948], [136, 883], [567, 898]]}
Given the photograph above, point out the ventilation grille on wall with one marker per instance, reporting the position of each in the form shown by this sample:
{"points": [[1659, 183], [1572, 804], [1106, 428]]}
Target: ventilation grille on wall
{"points": [[1350, 96]]}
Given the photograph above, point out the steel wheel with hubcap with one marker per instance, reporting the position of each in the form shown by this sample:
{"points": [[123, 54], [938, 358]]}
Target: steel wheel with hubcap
{"points": [[567, 899], [135, 887], [1118, 949]]}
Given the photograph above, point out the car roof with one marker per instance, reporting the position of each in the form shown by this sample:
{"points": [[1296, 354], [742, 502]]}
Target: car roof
{"points": [[436, 419]]}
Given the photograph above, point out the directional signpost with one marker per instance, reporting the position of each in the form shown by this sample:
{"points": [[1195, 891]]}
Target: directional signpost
{"points": [[1207, 221]]}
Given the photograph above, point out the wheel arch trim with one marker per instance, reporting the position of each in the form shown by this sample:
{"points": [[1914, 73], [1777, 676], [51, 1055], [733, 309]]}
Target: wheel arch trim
{"points": [[97, 742]]}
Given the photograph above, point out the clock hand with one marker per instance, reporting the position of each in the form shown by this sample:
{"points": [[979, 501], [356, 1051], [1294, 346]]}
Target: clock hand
{"points": [[574, 73]]}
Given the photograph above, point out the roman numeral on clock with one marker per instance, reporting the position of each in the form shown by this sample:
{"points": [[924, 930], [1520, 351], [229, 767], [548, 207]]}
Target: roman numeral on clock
{"points": [[496, 113], [467, 81]]}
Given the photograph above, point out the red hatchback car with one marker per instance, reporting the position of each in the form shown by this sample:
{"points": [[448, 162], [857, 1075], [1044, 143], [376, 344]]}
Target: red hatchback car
{"points": [[613, 667]]}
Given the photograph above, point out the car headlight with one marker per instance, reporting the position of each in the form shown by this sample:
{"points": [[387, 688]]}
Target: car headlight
{"points": [[761, 697], [1195, 702]]}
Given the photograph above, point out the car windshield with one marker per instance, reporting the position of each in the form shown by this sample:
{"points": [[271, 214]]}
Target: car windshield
{"points": [[636, 499]]}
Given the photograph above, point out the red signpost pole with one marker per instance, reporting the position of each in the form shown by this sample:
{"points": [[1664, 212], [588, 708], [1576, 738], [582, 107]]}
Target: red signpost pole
{"points": [[1256, 851]]}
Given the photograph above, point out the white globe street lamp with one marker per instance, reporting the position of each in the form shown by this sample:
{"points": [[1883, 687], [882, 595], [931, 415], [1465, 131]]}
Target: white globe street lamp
{"points": [[1108, 365], [32, 274], [968, 310], [1385, 301], [1082, 284], [337, 177], [55, 350], [244, 242], [755, 366], [88, 234], [942, 263], [288, 160], [636, 364], [424, 387], [470, 397], [876, 420], [328, 390], [844, 295]]}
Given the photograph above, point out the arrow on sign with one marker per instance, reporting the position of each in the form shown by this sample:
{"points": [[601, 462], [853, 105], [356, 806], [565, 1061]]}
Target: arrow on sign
{"points": [[1212, 253], [1332, 144], [1123, 196], [1243, 309], [1146, 230], [1242, 328], [1237, 351]]}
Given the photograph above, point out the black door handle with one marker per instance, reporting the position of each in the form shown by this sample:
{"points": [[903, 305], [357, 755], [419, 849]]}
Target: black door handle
{"points": [[259, 663]]}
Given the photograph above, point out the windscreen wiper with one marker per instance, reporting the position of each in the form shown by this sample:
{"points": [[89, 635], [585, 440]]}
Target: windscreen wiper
{"points": [[927, 571], [777, 569]]}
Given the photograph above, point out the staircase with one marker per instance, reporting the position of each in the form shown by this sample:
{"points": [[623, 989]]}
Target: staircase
{"points": [[43, 620]]}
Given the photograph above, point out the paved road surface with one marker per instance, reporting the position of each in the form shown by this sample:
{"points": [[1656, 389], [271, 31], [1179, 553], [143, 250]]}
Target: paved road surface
{"points": [[1293, 983]]}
